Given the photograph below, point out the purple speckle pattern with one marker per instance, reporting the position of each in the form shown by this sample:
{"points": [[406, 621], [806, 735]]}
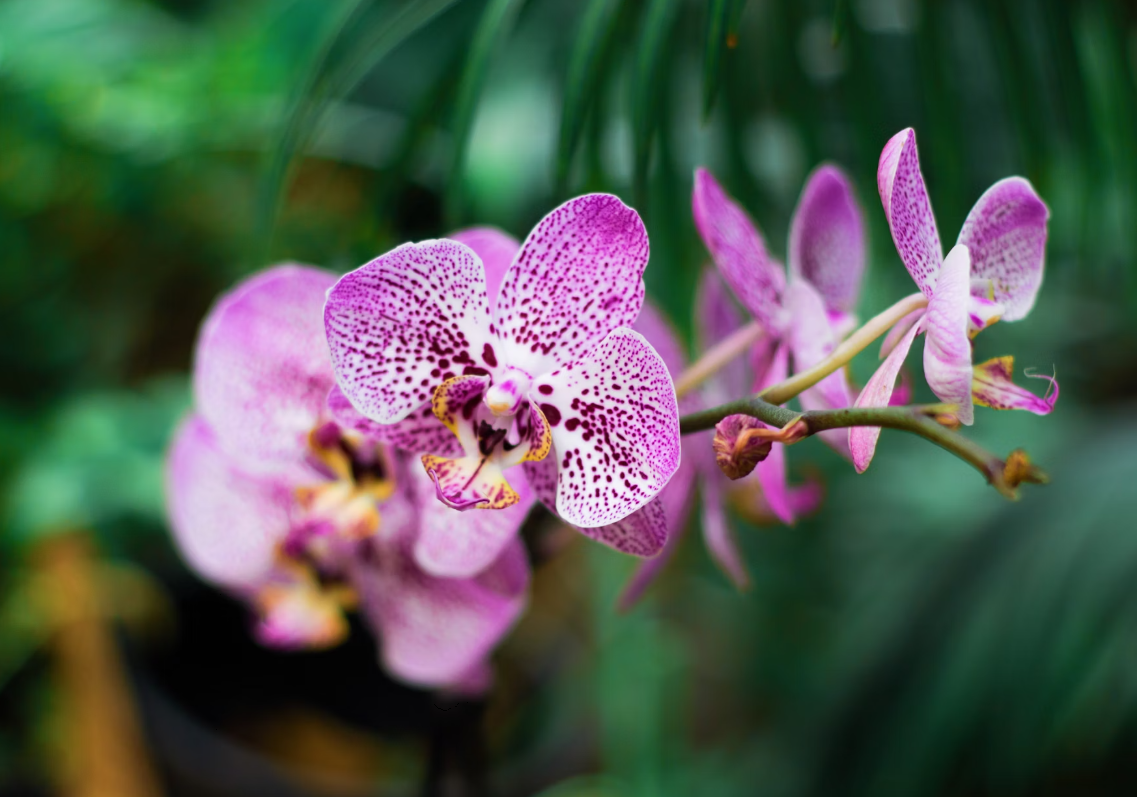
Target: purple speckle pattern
{"points": [[578, 276], [909, 210], [947, 350], [419, 432], [404, 323], [1006, 235], [877, 393], [827, 238], [738, 251], [617, 444]]}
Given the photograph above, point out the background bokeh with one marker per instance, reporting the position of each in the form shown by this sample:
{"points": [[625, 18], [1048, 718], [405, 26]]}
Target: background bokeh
{"points": [[918, 636]]}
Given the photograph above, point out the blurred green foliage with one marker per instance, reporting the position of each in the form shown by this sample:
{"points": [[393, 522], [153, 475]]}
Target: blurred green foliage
{"points": [[919, 635]]}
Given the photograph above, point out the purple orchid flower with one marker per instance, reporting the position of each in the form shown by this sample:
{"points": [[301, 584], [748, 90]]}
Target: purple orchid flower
{"points": [[550, 365], [804, 317], [272, 500], [994, 271]]}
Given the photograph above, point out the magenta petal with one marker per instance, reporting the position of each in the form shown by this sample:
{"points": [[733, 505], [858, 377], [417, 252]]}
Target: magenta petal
{"points": [[458, 544], [812, 340], [719, 536], [262, 371], [993, 386], [947, 351], [908, 209], [644, 532], [496, 249], [578, 276], [404, 323], [615, 428], [657, 331], [226, 523], [419, 433], [877, 393], [717, 317], [827, 238], [1006, 235], [771, 472], [739, 252]]}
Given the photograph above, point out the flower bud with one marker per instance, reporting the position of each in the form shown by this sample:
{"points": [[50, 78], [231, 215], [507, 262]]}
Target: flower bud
{"points": [[740, 443]]}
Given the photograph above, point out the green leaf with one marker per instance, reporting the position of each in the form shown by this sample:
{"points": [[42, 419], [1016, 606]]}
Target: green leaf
{"points": [[722, 24], [351, 50], [496, 21], [584, 72], [646, 87], [840, 20]]}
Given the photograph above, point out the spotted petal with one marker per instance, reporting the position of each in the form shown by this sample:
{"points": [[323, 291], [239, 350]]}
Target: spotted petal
{"points": [[615, 429], [877, 393], [1006, 235], [261, 371], [404, 323], [420, 432], [578, 276], [496, 250], [738, 251], [827, 239], [226, 523], [993, 386], [909, 211], [947, 351], [470, 482]]}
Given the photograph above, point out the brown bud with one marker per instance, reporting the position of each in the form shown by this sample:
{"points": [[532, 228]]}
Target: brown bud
{"points": [[1019, 469], [740, 443]]}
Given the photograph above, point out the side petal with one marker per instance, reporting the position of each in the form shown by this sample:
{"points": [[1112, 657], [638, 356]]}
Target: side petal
{"points": [[812, 340], [455, 544], [615, 428], [827, 238], [261, 370], [877, 393], [578, 276], [1006, 235], [404, 323], [719, 536], [419, 433], [993, 386], [909, 210], [738, 251], [717, 317], [496, 249], [771, 472], [226, 523], [947, 351], [642, 533]]}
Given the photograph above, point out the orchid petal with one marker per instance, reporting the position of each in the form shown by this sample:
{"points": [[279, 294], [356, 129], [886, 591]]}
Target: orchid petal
{"points": [[659, 333], [456, 403], [812, 340], [993, 386], [738, 251], [909, 211], [643, 533], [420, 432], [877, 393], [404, 323], [717, 317], [262, 371], [827, 238], [615, 429], [1006, 235], [899, 330], [496, 250], [751, 504], [648, 570], [719, 536], [226, 523], [771, 472], [298, 615], [947, 351], [578, 276], [456, 544], [982, 312]]}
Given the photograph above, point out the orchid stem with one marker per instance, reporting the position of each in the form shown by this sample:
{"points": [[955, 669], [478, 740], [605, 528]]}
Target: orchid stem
{"points": [[846, 351], [716, 357], [917, 419]]}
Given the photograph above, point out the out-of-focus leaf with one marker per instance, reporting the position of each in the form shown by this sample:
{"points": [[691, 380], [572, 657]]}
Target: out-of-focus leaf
{"points": [[646, 88], [495, 24], [722, 25], [588, 54], [840, 20]]}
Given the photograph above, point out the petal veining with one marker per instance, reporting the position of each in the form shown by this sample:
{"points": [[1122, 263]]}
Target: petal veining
{"points": [[947, 350], [877, 393], [909, 210]]}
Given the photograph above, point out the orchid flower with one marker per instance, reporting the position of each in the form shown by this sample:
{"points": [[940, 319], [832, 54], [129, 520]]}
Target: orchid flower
{"points": [[548, 369], [272, 500], [994, 271], [804, 317]]}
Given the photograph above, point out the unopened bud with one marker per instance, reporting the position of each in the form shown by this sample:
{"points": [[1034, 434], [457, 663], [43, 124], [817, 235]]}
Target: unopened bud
{"points": [[740, 443], [1019, 469]]}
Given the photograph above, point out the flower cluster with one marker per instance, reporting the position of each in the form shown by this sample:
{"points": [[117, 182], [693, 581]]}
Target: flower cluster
{"points": [[376, 440]]}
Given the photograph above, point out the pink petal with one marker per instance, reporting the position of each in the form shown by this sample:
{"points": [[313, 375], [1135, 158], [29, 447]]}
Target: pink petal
{"points": [[578, 276], [877, 393], [420, 432], [899, 330], [226, 523], [908, 209], [812, 340], [462, 544], [827, 238], [803, 499], [947, 351], [739, 252], [771, 472], [993, 386], [615, 428], [719, 536], [717, 317], [659, 332], [496, 249], [404, 323], [642, 533], [261, 371], [1006, 235]]}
